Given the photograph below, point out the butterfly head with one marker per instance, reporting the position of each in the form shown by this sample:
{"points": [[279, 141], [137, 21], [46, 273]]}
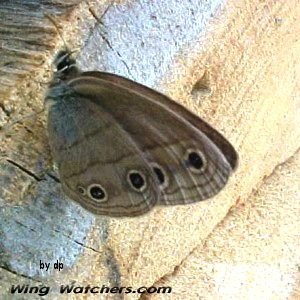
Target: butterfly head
{"points": [[65, 68], [65, 64]]}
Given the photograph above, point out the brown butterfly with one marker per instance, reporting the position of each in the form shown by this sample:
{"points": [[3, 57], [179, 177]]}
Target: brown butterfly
{"points": [[122, 148]]}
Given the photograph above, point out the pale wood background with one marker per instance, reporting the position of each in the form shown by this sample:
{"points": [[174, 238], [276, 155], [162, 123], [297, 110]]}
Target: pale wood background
{"points": [[244, 56]]}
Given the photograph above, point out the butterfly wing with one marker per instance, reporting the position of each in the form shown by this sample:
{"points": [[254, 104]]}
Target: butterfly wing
{"points": [[100, 165], [191, 160]]}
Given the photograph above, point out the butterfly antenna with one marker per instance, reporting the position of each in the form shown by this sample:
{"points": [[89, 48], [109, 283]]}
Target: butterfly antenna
{"points": [[51, 19]]}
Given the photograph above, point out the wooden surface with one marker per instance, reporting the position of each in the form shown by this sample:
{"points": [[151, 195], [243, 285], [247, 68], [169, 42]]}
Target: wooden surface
{"points": [[234, 63]]}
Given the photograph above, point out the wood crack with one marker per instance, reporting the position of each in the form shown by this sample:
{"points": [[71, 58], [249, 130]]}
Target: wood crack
{"points": [[25, 170]]}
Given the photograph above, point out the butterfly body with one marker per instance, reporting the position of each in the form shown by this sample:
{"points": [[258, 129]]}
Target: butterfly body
{"points": [[121, 148]]}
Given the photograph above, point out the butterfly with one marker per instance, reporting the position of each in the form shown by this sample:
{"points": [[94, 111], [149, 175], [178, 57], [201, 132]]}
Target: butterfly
{"points": [[121, 148]]}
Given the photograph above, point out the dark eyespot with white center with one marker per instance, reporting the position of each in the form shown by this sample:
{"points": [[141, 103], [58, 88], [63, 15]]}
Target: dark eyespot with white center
{"points": [[97, 193], [81, 190], [137, 180], [195, 161], [161, 175]]}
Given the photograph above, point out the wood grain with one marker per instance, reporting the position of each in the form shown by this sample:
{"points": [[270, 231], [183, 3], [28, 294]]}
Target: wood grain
{"points": [[250, 50]]}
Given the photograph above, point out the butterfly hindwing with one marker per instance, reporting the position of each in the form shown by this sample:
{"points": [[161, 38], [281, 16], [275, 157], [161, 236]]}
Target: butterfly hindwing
{"points": [[100, 166]]}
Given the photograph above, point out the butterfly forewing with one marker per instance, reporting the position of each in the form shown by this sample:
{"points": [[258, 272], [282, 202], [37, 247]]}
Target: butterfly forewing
{"points": [[166, 139]]}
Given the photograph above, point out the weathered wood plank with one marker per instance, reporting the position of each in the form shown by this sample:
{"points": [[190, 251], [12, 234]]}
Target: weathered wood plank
{"points": [[249, 56]]}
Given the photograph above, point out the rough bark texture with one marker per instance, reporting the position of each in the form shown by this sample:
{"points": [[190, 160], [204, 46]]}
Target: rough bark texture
{"points": [[237, 65]]}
